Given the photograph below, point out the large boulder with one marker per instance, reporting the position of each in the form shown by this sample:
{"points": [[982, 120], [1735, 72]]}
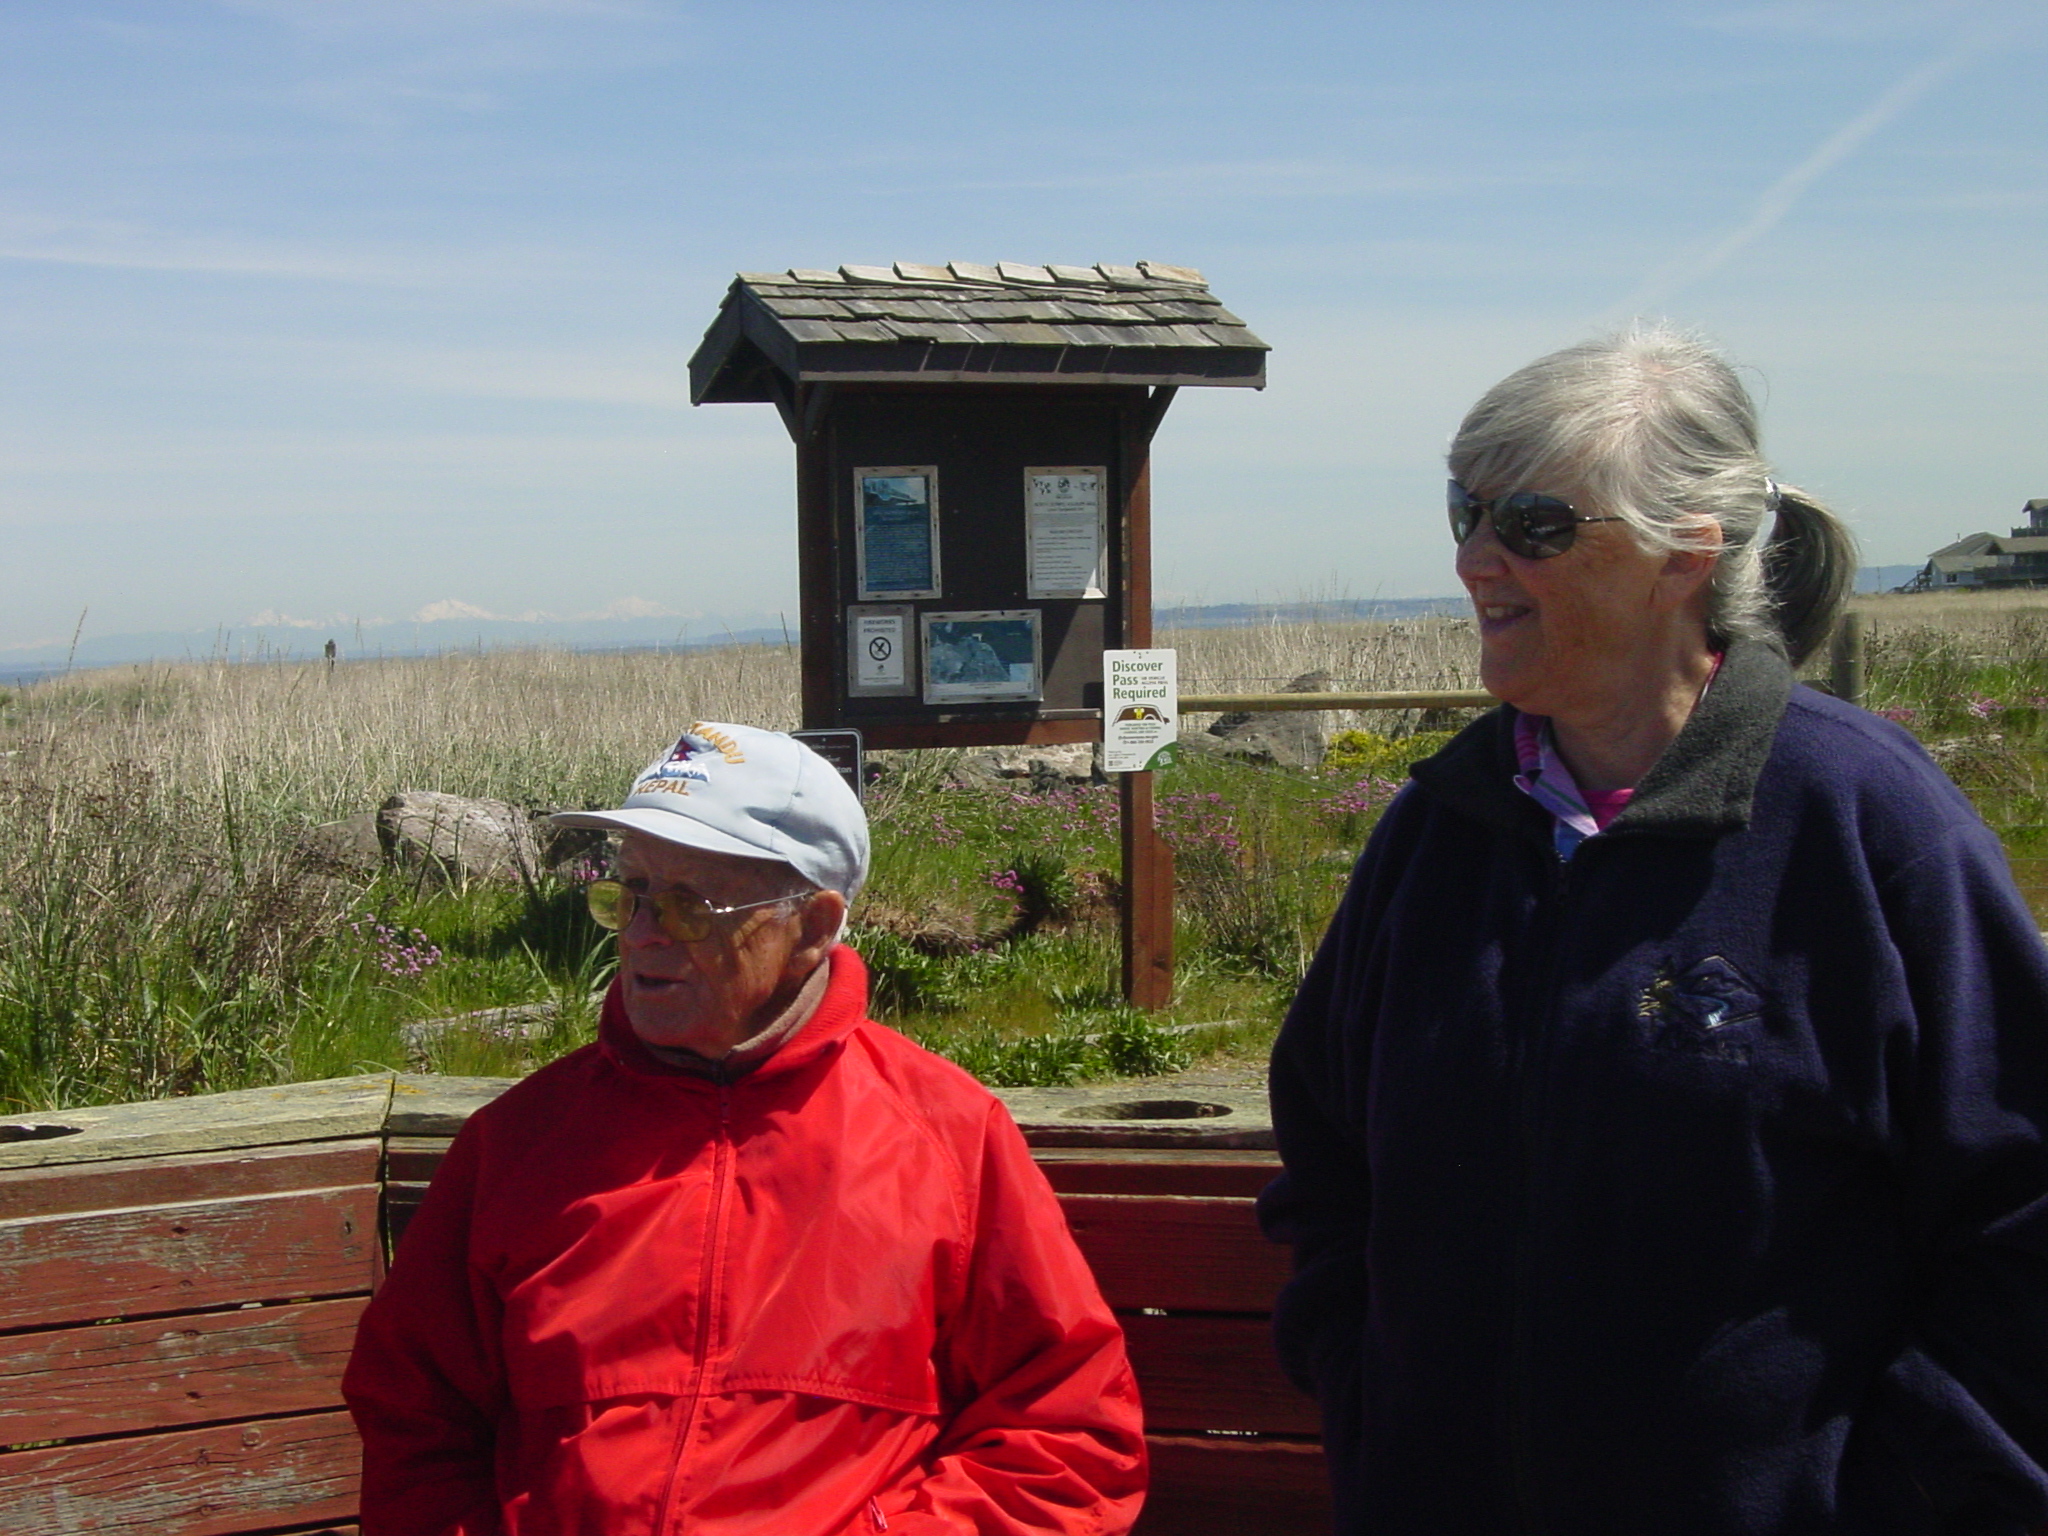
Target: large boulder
{"points": [[939, 927], [1288, 738], [352, 845], [1046, 767], [450, 839]]}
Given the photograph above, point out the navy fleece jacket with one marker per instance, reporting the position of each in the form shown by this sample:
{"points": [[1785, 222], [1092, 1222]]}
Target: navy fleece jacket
{"points": [[1696, 1185]]}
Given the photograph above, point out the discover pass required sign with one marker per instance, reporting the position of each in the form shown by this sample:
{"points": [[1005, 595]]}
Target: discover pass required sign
{"points": [[1140, 710]]}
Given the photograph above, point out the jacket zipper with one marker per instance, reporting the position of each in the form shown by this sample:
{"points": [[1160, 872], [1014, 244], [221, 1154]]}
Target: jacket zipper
{"points": [[1532, 1061], [708, 1289]]}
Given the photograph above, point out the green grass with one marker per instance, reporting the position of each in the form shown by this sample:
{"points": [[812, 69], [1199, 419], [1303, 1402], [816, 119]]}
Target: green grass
{"points": [[1979, 703], [161, 931], [158, 940]]}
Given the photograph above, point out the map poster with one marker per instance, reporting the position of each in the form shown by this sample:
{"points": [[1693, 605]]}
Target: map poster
{"points": [[1065, 530], [896, 531], [1140, 710], [878, 645], [992, 654]]}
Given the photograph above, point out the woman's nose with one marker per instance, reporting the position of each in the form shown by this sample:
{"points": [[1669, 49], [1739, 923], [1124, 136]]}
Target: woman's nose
{"points": [[1480, 554]]}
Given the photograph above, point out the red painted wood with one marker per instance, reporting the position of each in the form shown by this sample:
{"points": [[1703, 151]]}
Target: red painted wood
{"points": [[1146, 914], [178, 1180], [1222, 1487], [401, 1202], [280, 1473], [414, 1159], [173, 1258], [1177, 1253], [1202, 1373], [1157, 1171], [124, 1378], [818, 558]]}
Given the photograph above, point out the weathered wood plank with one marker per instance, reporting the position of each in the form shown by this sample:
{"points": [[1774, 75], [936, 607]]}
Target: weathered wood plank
{"points": [[1202, 1373], [250, 1117], [410, 1163], [414, 1159], [125, 1378], [401, 1204], [197, 1482], [1157, 1171], [173, 1258], [1142, 1116], [1295, 703], [179, 1180], [1220, 1487], [426, 1105], [1177, 1253]]}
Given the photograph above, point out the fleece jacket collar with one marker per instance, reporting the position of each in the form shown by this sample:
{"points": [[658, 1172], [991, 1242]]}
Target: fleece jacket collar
{"points": [[1701, 787]]}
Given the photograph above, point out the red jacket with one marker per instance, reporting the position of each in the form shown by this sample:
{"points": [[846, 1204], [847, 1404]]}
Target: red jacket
{"points": [[834, 1297]]}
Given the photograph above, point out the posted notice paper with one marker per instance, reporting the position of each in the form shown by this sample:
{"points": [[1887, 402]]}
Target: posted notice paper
{"points": [[1064, 530], [1140, 710], [878, 650]]}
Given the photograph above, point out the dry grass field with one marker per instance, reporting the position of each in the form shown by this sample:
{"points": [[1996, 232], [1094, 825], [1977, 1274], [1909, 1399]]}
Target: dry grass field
{"points": [[1954, 611], [298, 740], [162, 931]]}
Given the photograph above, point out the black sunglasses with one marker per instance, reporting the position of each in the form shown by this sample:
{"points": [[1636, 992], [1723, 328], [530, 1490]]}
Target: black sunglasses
{"points": [[1527, 523]]}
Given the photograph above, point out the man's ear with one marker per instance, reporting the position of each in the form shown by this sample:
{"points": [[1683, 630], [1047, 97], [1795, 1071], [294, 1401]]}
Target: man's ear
{"points": [[822, 917]]}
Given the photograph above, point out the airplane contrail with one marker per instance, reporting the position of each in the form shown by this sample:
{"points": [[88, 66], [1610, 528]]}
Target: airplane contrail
{"points": [[1778, 200]]}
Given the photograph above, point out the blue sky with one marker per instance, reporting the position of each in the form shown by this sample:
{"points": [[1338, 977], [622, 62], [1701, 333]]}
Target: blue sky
{"points": [[329, 309]]}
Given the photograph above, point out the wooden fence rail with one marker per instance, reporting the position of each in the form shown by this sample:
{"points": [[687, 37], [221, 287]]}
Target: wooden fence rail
{"points": [[1277, 703]]}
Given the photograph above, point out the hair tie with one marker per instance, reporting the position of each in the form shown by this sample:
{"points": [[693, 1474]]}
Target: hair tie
{"points": [[1772, 499]]}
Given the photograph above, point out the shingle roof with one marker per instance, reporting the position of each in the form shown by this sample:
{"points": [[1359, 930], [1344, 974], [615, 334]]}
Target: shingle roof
{"points": [[1007, 323], [1983, 550], [1970, 544]]}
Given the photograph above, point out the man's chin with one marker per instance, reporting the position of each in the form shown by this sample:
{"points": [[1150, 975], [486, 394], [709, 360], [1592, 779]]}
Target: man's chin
{"points": [[659, 1018], [711, 1048]]}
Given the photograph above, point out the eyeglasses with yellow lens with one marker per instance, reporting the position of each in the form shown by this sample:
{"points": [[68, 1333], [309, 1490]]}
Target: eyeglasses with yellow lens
{"points": [[683, 915]]}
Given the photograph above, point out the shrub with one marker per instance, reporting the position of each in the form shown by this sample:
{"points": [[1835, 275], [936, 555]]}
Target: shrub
{"points": [[1038, 880], [1369, 755], [902, 979], [1131, 1045]]}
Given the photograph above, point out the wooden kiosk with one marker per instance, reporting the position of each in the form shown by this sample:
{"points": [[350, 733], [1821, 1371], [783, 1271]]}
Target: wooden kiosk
{"points": [[974, 498]]}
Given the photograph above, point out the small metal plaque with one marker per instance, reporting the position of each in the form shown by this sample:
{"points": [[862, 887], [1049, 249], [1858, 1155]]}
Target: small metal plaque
{"points": [[841, 749]]}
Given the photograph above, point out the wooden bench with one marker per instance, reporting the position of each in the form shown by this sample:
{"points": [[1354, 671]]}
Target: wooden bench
{"points": [[179, 1284]]}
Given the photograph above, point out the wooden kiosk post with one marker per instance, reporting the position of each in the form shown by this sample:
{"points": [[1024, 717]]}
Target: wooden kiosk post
{"points": [[973, 499]]}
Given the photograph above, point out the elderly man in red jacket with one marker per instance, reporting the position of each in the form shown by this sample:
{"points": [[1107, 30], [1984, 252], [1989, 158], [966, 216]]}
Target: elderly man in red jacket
{"points": [[751, 1262]]}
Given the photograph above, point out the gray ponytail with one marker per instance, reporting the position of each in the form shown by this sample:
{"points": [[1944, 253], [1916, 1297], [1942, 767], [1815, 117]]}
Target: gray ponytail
{"points": [[1808, 569], [1653, 426]]}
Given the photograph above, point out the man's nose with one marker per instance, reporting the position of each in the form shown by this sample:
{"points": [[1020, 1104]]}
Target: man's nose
{"points": [[644, 926]]}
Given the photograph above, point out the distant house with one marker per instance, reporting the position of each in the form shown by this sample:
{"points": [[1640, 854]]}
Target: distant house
{"points": [[2019, 559]]}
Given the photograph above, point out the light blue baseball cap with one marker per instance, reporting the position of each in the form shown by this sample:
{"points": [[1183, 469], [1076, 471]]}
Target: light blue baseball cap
{"points": [[751, 793]]}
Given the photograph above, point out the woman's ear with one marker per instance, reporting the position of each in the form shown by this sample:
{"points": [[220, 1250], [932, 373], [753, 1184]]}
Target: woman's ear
{"points": [[1687, 571]]}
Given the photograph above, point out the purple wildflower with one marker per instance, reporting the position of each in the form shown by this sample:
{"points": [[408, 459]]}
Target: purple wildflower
{"points": [[402, 952]]}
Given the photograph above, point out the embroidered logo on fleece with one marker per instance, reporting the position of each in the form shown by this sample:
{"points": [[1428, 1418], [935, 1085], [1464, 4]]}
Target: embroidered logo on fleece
{"points": [[1696, 1010]]}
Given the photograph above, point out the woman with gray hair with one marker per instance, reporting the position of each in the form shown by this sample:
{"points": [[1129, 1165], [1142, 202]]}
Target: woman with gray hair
{"points": [[1663, 1114]]}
